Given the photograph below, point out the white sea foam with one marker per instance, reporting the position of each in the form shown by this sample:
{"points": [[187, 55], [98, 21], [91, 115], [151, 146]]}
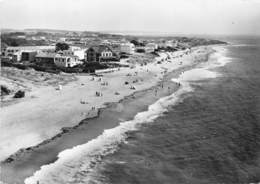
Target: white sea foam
{"points": [[198, 74], [75, 165], [78, 161], [219, 58]]}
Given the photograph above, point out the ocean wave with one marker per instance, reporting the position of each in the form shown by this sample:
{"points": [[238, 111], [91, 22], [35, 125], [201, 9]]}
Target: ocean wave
{"points": [[75, 165], [217, 59]]}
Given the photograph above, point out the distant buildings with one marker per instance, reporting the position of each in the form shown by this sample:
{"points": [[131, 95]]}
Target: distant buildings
{"points": [[127, 48], [9, 51], [150, 47], [100, 53], [25, 53], [168, 43], [62, 39]]}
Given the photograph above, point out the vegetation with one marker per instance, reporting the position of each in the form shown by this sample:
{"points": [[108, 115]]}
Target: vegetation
{"points": [[137, 43], [62, 46], [140, 50], [19, 94], [5, 90]]}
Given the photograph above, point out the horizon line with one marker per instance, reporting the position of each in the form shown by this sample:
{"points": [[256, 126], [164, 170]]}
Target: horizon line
{"points": [[132, 32]]}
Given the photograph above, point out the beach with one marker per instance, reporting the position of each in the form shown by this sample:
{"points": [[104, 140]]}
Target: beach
{"points": [[51, 110]]}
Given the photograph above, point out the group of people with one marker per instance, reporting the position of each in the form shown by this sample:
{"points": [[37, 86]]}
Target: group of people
{"points": [[99, 93], [104, 83]]}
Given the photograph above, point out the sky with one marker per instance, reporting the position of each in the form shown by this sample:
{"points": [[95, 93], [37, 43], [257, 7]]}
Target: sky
{"points": [[237, 17]]}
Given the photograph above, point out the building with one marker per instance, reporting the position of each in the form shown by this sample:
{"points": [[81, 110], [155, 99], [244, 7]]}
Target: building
{"points": [[16, 57], [9, 51], [43, 58], [100, 53], [140, 49], [150, 47], [28, 56], [127, 48], [74, 51], [80, 53], [62, 39], [66, 60]]}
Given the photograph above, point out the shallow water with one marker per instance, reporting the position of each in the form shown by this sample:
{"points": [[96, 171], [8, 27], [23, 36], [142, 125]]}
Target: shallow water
{"points": [[206, 132], [29, 162], [212, 136]]}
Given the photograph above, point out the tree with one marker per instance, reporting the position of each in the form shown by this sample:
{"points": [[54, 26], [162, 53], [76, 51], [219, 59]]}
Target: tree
{"points": [[62, 46], [19, 94], [136, 43]]}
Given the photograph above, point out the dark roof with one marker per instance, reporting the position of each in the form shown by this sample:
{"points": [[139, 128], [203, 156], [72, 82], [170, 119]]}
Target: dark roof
{"points": [[100, 48]]}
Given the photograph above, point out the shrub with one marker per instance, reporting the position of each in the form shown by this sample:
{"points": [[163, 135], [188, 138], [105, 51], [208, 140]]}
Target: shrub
{"points": [[19, 94], [140, 50], [5, 90]]}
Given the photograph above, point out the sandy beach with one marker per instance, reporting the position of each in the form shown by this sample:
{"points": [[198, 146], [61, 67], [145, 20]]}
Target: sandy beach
{"points": [[43, 116], [46, 110]]}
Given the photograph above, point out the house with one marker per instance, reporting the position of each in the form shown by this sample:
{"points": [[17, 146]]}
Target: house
{"points": [[43, 58], [100, 53], [9, 51], [80, 53], [22, 55], [15, 57], [162, 44], [66, 60], [28, 55], [127, 48], [140, 49], [74, 51], [150, 47]]}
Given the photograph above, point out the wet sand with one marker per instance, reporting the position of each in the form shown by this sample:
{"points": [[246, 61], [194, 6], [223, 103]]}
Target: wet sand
{"points": [[30, 160], [45, 110], [25, 162]]}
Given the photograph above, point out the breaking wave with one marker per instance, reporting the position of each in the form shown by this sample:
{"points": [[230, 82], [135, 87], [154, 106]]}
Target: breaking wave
{"points": [[75, 165]]}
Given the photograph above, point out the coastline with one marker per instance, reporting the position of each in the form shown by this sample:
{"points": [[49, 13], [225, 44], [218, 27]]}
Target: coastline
{"points": [[20, 156]]}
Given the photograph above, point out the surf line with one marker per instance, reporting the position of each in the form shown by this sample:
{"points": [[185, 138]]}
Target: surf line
{"points": [[84, 157]]}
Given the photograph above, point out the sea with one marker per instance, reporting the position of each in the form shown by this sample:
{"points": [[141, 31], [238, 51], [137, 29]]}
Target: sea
{"points": [[208, 131]]}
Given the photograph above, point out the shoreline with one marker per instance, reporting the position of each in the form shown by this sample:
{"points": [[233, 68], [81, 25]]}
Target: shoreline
{"points": [[25, 155], [46, 110], [19, 156]]}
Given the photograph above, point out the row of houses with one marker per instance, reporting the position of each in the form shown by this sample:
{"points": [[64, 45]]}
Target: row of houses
{"points": [[130, 48], [74, 55], [65, 58]]}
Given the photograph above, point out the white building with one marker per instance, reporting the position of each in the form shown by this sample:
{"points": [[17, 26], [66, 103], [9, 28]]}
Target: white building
{"points": [[9, 51], [106, 54], [66, 61], [150, 47], [17, 56], [74, 51], [128, 48], [80, 53], [62, 39]]}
